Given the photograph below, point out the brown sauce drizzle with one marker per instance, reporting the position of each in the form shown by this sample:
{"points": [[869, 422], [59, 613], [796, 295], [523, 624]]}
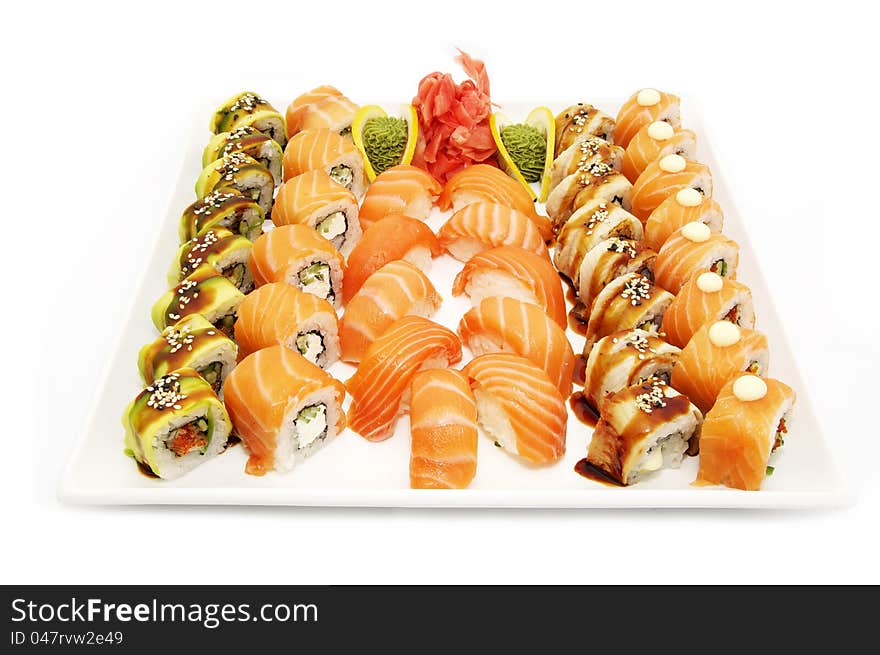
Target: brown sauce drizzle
{"points": [[579, 375], [145, 470], [578, 318], [582, 409], [584, 468]]}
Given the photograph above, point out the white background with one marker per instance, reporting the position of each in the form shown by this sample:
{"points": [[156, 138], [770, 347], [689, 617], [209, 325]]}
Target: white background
{"points": [[96, 100]]}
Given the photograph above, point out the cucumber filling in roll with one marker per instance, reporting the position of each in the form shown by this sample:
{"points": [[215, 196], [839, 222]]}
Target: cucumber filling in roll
{"points": [[212, 374], [238, 274], [754, 368], [310, 345], [343, 175], [226, 324], [719, 267], [187, 437], [652, 325], [315, 279], [332, 227], [781, 430], [311, 425]]}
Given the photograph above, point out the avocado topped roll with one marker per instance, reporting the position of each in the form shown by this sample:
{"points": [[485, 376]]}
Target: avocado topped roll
{"points": [[249, 141], [241, 172], [204, 292], [225, 252], [249, 109], [175, 424], [227, 208], [194, 343]]}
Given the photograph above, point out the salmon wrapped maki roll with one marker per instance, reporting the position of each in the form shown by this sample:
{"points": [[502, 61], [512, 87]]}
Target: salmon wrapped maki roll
{"points": [[591, 224], [518, 407], [249, 141], [691, 250], [396, 290], [512, 272], [707, 298], [716, 353], [582, 121], [630, 301], [228, 209], [332, 112], [222, 250], [597, 182], [193, 343], [203, 292], [679, 209], [280, 314], [443, 423], [298, 255], [582, 154], [380, 388], [240, 172], [624, 359], [484, 225], [329, 152], [401, 189], [298, 108], [482, 183], [611, 259], [175, 424], [654, 141], [283, 407], [746, 425], [393, 237], [508, 325], [665, 177], [313, 199], [643, 108], [642, 429], [251, 110]]}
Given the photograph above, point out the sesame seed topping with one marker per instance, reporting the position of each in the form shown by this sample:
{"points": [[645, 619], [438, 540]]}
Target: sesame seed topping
{"points": [[655, 396], [247, 102], [616, 244], [636, 290], [165, 393]]}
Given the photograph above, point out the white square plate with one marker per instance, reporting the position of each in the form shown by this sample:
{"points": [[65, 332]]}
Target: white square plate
{"points": [[353, 472]]}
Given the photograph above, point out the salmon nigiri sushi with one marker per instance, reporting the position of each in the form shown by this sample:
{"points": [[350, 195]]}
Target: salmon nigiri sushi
{"points": [[396, 290], [707, 298], [691, 250], [393, 237], [443, 423], [665, 177], [297, 109], [315, 200], [329, 152], [514, 273], [518, 406], [380, 387], [485, 183], [483, 225], [686, 206], [509, 325], [401, 189], [653, 141], [281, 314], [716, 353], [643, 108], [283, 407], [745, 426]]}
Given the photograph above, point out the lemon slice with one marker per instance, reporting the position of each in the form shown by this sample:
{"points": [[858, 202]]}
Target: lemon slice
{"points": [[369, 112], [541, 118]]}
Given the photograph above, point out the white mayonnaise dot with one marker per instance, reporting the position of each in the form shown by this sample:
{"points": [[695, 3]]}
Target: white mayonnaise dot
{"points": [[710, 282], [724, 334], [688, 197], [660, 131], [648, 97], [696, 231], [749, 387], [673, 164]]}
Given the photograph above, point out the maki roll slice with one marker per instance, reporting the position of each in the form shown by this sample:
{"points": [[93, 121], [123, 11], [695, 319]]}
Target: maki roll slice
{"points": [[582, 121], [692, 249], [204, 292], [220, 249], [193, 342], [175, 424], [581, 155], [686, 206], [327, 151], [609, 260], [227, 208], [643, 108], [249, 109], [241, 172], [251, 142]]}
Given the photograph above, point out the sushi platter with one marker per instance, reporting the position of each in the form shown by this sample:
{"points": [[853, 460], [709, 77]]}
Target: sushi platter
{"points": [[461, 351]]}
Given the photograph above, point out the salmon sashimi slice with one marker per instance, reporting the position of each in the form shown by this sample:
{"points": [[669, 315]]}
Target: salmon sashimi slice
{"points": [[665, 177], [509, 325], [643, 108], [678, 210], [484, 225], [738, 436], [653, 141], [707, 298], [261, 392], [396, 290], [380, 386], [516, 273], [400, 189], [443, 420], [298, 108], [393, 237], [681, 258], [484, 183], [518, 406]]}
